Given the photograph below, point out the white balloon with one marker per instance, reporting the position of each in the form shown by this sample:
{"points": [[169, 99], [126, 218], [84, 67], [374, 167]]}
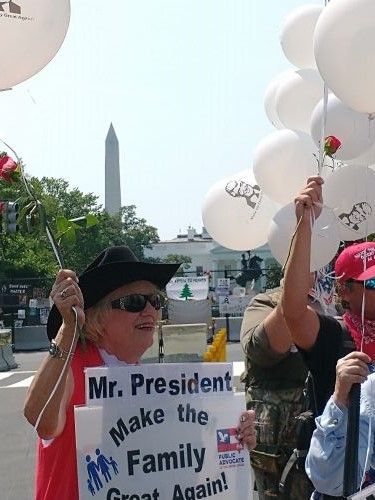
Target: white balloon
{"points": [[296, 35], [349, 126], [236, 213], [344, 42], [296, 97], [282, 163], [365, 159], [324, 242], [31, 34], [270, 99], [349, 191]]}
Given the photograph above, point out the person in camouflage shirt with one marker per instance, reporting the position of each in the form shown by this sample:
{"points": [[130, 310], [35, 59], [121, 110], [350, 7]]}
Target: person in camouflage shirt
{"points": [[275, 382]]}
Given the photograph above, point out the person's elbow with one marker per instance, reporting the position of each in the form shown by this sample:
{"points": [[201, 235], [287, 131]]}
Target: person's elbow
{"points": [[325, 472], [47, 428]]}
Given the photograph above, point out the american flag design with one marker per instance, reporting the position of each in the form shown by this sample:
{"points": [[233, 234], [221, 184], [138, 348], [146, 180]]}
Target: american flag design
{"points": [[227, 440]]}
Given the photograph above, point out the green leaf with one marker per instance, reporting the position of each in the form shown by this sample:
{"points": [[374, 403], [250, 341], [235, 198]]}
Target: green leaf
{"points": [[91, 220], [62, 224], [69, 237]]}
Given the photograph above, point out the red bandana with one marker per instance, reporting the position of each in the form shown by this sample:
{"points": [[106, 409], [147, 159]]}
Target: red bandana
{"points": [[353, 323]]}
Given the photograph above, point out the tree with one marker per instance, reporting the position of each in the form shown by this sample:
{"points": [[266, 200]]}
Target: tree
{"points": [[186, 293], [173, 258], [184, 260], [30, 255], [274, 273]]}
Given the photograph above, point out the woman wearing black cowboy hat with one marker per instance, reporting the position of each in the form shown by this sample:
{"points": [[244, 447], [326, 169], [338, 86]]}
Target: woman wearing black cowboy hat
{"points": [[117, 303]]}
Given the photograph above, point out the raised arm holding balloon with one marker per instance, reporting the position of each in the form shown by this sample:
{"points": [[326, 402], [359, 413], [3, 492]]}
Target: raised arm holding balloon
{"points": [[324, 340]]}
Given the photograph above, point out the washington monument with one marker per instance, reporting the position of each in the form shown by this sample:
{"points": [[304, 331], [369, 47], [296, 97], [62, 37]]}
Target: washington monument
{"points": [[112, 173]]}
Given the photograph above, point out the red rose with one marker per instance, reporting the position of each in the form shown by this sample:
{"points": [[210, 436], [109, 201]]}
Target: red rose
{"points": [[9, 169], [331, 145]]}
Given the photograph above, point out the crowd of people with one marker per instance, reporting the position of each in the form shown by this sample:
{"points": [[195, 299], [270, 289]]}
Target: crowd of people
{"points": [[301, 363]]}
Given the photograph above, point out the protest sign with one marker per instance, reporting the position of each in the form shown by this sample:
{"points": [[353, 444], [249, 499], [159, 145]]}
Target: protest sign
{"points": [[234, 304], [222, 287], [164, 381], [178, 444], [184, 288]]}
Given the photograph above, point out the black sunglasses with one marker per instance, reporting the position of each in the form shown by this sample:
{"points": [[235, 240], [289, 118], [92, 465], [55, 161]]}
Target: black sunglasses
{"points": [[136, 302]]}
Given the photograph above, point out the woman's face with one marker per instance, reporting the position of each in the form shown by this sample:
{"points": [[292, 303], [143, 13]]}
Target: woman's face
{"points": [[128, 335]]}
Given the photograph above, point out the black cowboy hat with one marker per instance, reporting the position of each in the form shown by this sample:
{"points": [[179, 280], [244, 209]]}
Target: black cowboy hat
{"points": [[113, 268]]}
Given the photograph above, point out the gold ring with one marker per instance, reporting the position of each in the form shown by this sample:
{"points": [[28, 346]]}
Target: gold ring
{"points": [[63, 294]]}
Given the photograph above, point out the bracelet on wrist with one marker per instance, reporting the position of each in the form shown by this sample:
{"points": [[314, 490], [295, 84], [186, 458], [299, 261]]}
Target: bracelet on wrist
{"points": [[57, 352]]}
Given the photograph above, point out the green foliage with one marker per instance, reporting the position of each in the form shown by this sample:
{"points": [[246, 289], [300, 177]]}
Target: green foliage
{"points": [[273, 273], [173, 258], [184, 260], [28, 253]]}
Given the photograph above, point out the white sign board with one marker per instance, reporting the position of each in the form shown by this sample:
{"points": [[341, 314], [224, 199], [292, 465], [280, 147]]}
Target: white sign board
{"points": [[160, 381], [186, 288], [222, 287], [234, 304], [174, 438]]}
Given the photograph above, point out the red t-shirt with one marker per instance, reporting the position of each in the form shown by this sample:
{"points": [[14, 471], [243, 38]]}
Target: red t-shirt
{"points": [[56, 464]]}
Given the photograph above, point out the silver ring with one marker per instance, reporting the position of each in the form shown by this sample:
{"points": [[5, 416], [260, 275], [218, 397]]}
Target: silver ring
{"points": [[64, 294]]}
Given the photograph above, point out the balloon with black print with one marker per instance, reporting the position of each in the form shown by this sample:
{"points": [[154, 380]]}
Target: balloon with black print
{"points": [[236, 213], [31, 33], [349, 191]]}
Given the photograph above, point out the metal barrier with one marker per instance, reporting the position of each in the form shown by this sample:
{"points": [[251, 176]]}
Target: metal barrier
{"points": [[7, 361], [180, 344], [30, 338], [234, 323]]}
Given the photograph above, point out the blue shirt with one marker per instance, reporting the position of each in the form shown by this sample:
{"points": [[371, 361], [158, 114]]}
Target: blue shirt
{"points": [[325, 459]]}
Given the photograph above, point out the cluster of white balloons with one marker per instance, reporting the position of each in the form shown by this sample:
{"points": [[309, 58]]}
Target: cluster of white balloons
{"points": [[31, 34], [331, 92]]}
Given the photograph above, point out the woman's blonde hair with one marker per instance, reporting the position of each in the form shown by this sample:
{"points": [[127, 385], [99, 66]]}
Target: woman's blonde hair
{"points": [[96, 317]]}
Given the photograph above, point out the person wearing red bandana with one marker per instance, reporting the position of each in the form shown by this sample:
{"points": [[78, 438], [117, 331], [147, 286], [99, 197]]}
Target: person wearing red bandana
{"points": [[324, 340]]}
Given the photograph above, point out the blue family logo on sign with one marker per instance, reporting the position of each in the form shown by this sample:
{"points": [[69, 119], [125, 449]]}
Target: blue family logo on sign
{"points": [[229, 448], [99, 469]]}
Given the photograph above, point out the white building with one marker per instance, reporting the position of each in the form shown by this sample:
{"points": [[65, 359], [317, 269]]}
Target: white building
{"points": [[208, 256]]}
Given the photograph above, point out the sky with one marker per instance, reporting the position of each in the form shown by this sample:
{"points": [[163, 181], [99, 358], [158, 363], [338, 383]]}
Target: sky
{"points": [[183, 83]]}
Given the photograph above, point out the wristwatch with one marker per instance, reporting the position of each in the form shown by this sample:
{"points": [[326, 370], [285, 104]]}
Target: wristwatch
{"points": [[56, 352]]}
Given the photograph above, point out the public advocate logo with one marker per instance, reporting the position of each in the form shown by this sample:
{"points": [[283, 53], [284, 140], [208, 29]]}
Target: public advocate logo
{"points": [[230, 450]]}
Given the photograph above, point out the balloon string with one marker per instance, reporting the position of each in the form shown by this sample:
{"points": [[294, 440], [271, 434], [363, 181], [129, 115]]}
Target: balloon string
{"points": [[291, 242], [323, 131], [312, 222]]}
